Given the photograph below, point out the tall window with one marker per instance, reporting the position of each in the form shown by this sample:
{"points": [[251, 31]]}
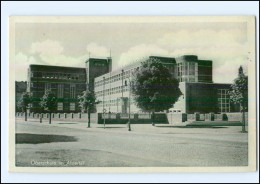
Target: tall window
{"points": [[191, 68], [59, 106], [223, 100], [72, 91], [72, 106], [47, 86], [60, 90], [187, 72]]}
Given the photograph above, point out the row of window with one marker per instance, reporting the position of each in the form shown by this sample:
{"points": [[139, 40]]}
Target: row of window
{"points": [[114, 102], [114, 78], [187, 72], [46, 75], [189, 68], [60, 89], [112, 91], [72, 106]]}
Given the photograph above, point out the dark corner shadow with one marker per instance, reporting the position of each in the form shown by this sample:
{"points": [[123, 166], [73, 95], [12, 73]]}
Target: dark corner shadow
{"points": [[213, 127], [67, 123], [24, 138]]}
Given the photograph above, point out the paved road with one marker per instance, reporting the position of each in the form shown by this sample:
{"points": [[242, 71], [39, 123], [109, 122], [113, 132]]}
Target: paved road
{"points": [[95, 147]]}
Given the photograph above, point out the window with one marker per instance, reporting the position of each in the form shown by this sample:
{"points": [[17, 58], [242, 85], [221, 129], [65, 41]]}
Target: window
{"points": [[72, 106], [191, 68], [59, 106], [60, 90], [223, 100], [72, 91], [47, 86]]}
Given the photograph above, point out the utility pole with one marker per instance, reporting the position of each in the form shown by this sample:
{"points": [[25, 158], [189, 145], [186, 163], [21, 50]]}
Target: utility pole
{"points": [[104, 102], [109, 80], [122, 83], [129, 103]]}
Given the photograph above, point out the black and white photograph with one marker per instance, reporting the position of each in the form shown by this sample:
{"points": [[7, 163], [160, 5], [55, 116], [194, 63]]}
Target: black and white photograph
{"points": [[132, 93]]}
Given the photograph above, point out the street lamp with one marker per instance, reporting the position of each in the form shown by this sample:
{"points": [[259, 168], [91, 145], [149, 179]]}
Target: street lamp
{"points": [[129, 102], [122, 83], [104, 110]]}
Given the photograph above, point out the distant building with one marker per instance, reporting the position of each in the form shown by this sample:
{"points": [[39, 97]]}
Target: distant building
{"points": [[65, 82], [20, 88]]}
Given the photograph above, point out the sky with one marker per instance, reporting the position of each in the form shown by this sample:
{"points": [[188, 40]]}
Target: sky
{"points": [[71, 44]]}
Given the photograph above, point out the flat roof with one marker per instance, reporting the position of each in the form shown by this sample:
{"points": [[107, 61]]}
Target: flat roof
{"points": [[55, 66]]}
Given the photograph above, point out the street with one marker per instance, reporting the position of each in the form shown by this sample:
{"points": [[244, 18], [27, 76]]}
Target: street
{"points": [[72, 144]]}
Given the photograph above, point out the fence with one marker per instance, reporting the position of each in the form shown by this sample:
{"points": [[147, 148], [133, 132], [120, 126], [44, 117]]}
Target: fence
{"points": [[143, 118], [81, 117], [110, 118]]}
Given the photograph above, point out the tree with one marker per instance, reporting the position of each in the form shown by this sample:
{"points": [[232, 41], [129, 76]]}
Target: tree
{"points": [[154, 88], [24, 103], [49, 102], [87, 102], [239, 94]]}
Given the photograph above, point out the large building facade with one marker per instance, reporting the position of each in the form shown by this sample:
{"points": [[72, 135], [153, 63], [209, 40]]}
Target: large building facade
{"points": [[65, 82], [200, 94], [112, 88]]}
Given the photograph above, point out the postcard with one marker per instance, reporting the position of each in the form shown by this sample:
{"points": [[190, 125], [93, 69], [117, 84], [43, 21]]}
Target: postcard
{"points": [[132, 94]]}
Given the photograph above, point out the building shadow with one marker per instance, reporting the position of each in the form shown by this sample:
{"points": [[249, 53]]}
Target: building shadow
{"points": [[67, 123], [213, 127], [111, 127], [24, 138]]}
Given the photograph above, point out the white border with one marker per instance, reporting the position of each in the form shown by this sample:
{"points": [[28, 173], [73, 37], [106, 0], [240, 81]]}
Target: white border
{"points": [[95, 8]]}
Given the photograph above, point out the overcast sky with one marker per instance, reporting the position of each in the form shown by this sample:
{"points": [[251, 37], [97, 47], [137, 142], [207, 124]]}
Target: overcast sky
{"points": [[69, 44]]}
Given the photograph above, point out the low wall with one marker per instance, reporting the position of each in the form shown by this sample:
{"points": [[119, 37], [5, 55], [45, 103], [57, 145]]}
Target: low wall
{"points": [[177, 118], [237, 116]]}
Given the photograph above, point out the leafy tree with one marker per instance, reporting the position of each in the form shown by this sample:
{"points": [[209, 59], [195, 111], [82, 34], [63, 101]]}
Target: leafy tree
{"points": [[239, 93], [87, 102], [154, 88], [24, 103], [49, 102]]}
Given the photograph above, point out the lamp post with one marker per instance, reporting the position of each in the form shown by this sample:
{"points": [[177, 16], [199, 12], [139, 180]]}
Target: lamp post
{"points": [[122, 83], [104, 102], [129, 103]]}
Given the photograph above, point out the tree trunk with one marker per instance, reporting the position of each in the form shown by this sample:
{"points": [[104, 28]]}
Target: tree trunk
{"points": [[243, 117], [25, 115], [153, 123], [40, 118], [50, 118], [88, 119], [243, 122]]}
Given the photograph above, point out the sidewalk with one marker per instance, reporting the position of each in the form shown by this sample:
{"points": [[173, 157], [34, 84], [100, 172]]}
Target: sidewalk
{"points": [[178, 128]]}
